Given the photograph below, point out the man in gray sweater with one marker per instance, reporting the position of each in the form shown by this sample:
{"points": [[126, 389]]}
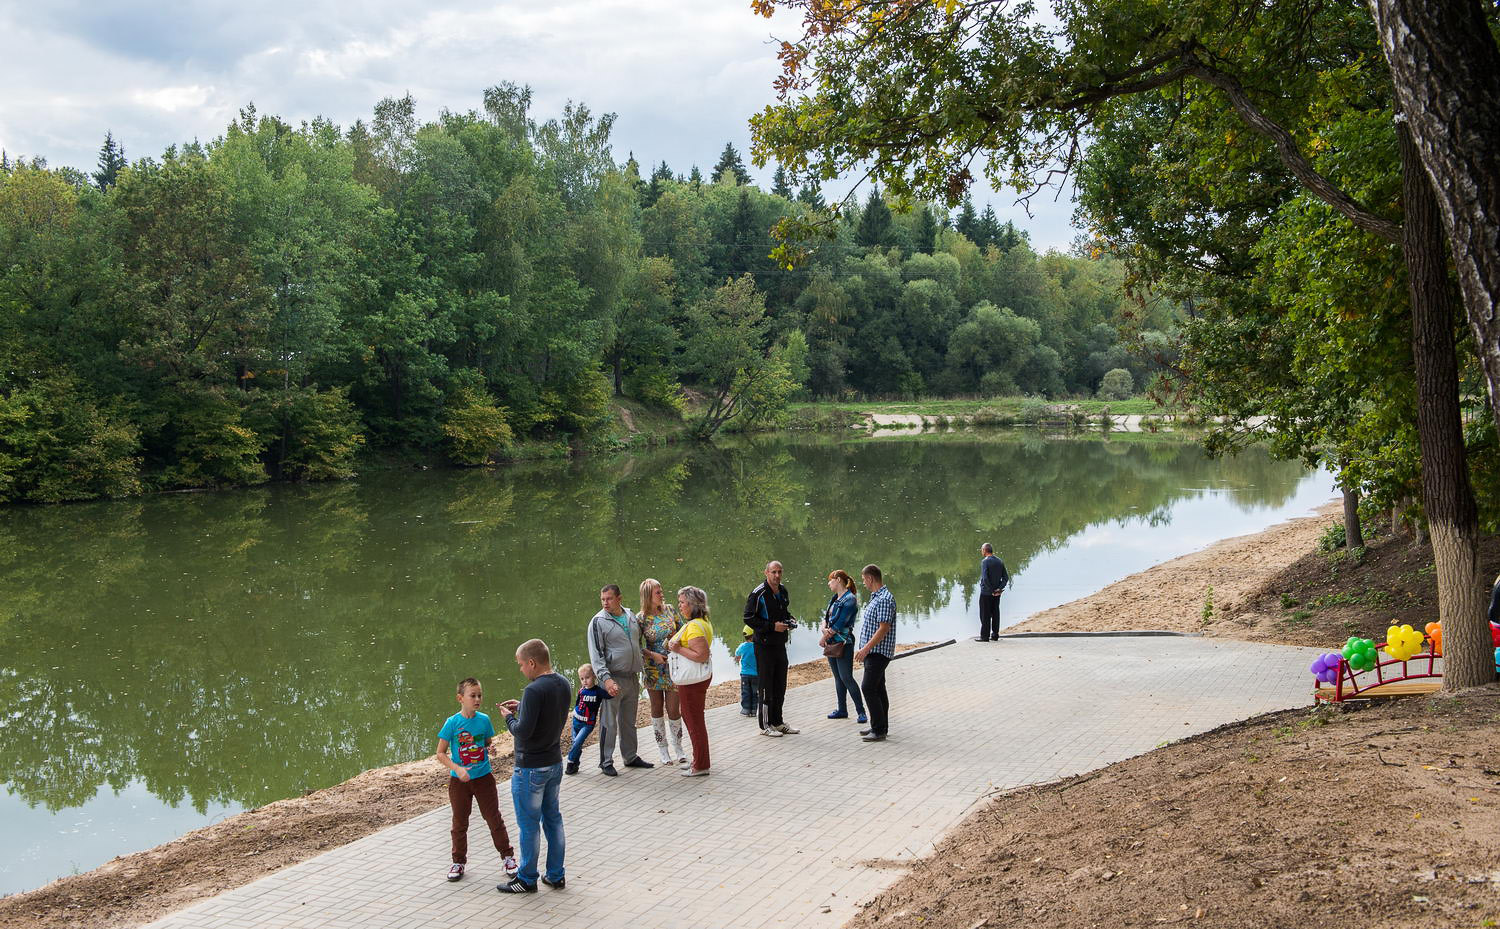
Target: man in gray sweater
{"points": [[615, 652]]}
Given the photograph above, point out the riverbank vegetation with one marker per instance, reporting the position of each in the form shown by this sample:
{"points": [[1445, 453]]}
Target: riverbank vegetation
{"points": [[283, 301]]}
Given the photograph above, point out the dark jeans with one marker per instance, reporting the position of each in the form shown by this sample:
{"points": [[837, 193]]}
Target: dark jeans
{"points": [[843, 681], [876, 699], [581, 732], [692, 697], [770, 665], [989, 616], [462, 795], [749, 694]]}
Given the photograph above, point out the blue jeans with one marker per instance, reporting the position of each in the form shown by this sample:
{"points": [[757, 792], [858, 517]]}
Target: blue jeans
{"points": [[749, 695], [843, 681], [581, 732], [534, 791]]}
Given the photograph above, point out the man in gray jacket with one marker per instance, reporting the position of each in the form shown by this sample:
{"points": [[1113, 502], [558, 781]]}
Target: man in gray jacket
{"points": [[615, 652]]}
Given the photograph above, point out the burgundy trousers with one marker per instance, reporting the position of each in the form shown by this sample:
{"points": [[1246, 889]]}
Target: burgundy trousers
{"points": [[691, 698], [461, 796]]}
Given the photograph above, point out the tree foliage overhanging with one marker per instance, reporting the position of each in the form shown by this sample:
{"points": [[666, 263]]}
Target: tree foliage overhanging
{"points": [[266, 305]]}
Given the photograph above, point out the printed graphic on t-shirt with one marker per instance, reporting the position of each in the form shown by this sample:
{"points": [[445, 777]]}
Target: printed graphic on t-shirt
{"points": [[469, 753]]}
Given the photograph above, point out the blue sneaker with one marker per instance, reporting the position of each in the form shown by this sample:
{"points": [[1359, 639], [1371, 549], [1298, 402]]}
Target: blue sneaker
{"points": [[862, 719], [839, 714]]}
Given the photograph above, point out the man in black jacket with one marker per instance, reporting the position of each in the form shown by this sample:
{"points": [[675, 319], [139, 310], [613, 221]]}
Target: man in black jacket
{"points": [[992, 580], [767, 614], [535, 722]]}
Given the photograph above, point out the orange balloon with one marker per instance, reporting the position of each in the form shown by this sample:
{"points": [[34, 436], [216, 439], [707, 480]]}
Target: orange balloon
{"points": [[1435, 633]]}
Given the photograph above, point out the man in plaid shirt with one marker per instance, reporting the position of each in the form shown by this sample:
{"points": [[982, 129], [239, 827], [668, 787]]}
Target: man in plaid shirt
{"points": [[877, 646]]}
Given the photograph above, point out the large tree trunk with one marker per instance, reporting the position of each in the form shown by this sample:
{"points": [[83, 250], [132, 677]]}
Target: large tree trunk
{"points": [[1447, 497], [1354, 536], [1446, 69]]}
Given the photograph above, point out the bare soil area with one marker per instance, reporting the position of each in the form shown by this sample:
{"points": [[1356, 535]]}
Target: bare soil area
{"points": [[1383, 814], [136, 889]]}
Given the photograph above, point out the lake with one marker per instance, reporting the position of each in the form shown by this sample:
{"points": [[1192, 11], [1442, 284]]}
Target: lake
{"points": [[171, 660]]}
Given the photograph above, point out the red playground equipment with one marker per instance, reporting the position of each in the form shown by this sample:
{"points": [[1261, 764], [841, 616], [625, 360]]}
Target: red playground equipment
{"points": [[1418, 673]]}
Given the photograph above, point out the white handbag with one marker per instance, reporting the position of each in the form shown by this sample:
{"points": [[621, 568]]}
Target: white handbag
{"points": [[684, 670]]}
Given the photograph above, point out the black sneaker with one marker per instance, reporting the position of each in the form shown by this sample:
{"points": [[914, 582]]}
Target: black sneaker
{"points": [[639, 762], [516, 886], [609, 771], [572, 768], [558, 884]]}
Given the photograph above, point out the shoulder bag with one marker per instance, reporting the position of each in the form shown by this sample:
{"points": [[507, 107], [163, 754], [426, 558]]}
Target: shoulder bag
{"points": [[685, 670]]}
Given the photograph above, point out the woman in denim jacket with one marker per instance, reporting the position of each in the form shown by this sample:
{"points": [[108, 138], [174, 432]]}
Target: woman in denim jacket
{"points": [[838, 627]]}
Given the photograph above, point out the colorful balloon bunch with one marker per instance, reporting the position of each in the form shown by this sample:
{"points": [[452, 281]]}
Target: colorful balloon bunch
{"points": [[1326, 667], [1435, 633], [1402, 642], [1360, 653]]}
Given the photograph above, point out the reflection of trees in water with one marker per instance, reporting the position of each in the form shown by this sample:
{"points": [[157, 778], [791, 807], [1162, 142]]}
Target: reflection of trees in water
{"points": [[242, 647]]}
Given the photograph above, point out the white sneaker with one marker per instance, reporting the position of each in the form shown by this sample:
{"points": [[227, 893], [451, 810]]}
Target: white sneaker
{"points": [[511, 865], [455, 872], [694, 772], [774, 733], [787, 730]]}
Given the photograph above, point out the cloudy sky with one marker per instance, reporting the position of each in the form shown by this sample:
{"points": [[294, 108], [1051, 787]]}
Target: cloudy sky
{"points": [[682, 75]]}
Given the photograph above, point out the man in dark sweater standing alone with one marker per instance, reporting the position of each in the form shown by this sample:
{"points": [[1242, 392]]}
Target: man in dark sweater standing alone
{"points": [[536, 723], [767, 613], [992, 580]]}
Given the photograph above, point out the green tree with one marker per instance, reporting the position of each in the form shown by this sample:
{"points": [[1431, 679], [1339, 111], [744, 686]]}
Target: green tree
{"points": [[730, 165], [874, 228], [111, 163], [728, 356], [1117, 384]]}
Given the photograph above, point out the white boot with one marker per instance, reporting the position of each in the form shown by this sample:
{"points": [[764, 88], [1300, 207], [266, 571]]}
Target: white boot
{"points": [[659, 727], [682, 757]]}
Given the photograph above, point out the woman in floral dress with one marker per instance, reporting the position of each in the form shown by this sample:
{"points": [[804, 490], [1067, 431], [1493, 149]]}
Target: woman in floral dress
{"points": [[658, 624]]}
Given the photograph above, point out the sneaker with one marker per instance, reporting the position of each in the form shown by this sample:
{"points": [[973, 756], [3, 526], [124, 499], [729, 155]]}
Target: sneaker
{"points": [[866, 731], [516, 886], [572, 768], [873, 737], [774, 733], [839, 714], [694, 772], [787, 730], [511, 865], [558, 884], [862, 719], [609, 771], [639, 762], [455, 872], [747, 712]]}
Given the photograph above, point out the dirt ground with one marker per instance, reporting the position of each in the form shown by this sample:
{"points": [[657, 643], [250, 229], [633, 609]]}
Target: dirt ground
{"points": [[136, 889], [1363, 815]]}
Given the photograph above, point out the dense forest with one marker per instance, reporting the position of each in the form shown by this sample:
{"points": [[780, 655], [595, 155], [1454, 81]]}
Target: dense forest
{"points": [[276, 302]]}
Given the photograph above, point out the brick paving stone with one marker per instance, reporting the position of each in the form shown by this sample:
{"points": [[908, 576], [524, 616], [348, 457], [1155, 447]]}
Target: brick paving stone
{"points": [[766, 840]]}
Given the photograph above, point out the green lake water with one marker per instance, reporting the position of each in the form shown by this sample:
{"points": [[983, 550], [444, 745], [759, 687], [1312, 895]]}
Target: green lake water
{"points": [[168, 661]]}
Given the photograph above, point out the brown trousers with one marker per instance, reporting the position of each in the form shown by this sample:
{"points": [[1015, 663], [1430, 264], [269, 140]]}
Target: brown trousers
{"points": [[461, 796]]}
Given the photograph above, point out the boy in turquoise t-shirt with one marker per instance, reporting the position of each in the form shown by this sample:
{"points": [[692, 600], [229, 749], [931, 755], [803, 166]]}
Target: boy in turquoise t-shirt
{"points": [[464, 749], [744, 656]]}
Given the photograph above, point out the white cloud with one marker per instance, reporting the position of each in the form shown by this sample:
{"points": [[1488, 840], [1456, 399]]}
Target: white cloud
{"points": [[683, 77]]}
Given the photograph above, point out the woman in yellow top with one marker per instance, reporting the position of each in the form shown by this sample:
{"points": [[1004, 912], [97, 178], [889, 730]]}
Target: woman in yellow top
{"points": [[693, 641]]}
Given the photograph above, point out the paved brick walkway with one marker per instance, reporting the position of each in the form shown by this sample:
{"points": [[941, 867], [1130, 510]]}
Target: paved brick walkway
{"points": [[793, 831]]}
